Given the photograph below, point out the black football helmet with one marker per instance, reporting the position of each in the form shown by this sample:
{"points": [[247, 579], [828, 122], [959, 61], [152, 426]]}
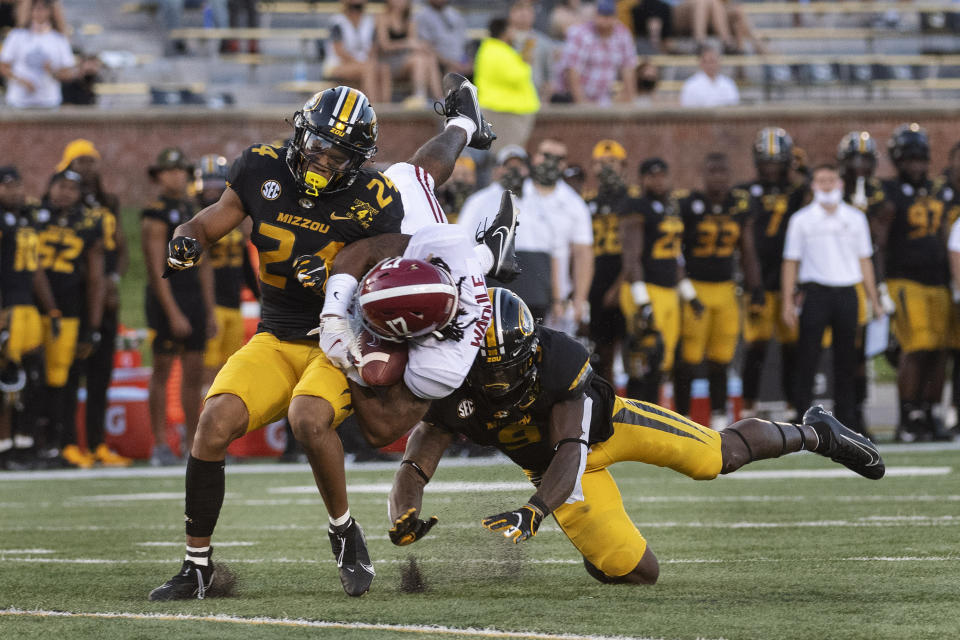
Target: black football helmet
{"points": [[909, 141], [773, 144], [505, 367], [856, 143], [338, 119], [211, 168]]}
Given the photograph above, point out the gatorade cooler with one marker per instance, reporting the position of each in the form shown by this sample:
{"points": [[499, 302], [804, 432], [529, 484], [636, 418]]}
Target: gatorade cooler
{"points": [[128, 422], [265, 442]]}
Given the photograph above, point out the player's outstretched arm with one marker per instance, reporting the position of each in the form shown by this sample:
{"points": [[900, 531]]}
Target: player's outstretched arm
{"points": [[358, 257], [192, 237], [559, 480], [424, 449]]}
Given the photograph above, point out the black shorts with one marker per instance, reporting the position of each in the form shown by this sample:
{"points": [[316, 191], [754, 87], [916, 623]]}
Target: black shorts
{"points": [[606, 323], [164, 342]]}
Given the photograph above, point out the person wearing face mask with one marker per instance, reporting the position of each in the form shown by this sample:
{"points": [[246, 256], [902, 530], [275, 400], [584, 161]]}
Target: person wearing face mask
{"points": [[453, 193], [827, 252], [609, 205], [534, 239], [546, 193]]}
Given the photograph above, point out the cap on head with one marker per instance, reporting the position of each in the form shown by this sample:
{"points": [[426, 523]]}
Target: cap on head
{"points": [[510, 152], [606, 7], [609, 149], [170, 158], [651, 166], [77, 149]]}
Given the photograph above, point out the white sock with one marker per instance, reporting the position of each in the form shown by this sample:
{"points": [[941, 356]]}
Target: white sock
{"points": [[342, 520], [6, 444], [464, 123], [199, 556], [22, 442], [485, 256]]}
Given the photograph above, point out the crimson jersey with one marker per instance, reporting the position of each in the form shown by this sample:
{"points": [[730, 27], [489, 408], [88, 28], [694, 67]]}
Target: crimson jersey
{"points": [[288, 224], [773, 205], [711, 234], [522, 431], [662, 235], [18, 257], [916, 249]]}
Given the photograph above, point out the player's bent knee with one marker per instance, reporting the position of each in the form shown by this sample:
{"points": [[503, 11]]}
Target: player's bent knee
{"points": [[646, 572], [311, 419], [733, 443], [224, 419]]}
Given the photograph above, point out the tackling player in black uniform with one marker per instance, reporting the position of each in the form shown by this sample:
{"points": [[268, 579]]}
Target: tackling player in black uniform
{"points": [[717, 222], [533, 395], [912, 258], [777, 196], [612, 202]]}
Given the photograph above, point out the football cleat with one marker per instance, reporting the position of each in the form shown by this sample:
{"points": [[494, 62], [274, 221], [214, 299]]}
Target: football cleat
{"points": [[77, 457], [500, 238], [350, 550], [193, 581], [843, 445], [460, 99], [109, 458]]}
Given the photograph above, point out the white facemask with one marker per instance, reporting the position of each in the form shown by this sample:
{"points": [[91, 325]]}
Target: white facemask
{"points": [[828, 198]]}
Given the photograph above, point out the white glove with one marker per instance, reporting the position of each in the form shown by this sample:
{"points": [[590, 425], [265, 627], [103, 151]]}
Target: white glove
{"points": [[338, 341], [638, 290], [886, 302]]}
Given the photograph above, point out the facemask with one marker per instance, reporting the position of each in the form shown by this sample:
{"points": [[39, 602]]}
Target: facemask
{"points": [[609, 178], [828, 198], [512, 180], [647, 84], [546, 173], [455, 192]]}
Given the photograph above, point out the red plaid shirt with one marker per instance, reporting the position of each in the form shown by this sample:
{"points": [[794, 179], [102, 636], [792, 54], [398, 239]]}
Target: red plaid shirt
{"points": [[597, 60]]}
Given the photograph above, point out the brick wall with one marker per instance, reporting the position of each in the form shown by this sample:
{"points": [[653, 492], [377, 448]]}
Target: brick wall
{"points": [[129, 141]]}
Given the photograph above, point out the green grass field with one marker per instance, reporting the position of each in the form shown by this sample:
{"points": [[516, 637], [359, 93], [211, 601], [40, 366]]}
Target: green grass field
{"points": [[809, 555]]}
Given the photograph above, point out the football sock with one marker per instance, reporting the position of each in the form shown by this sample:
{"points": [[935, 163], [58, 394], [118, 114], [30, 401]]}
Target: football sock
{"points": [[755, 439], [337, 524], [464, 123], [485, 256], [205, 487], [199, 555], [6, 444]]}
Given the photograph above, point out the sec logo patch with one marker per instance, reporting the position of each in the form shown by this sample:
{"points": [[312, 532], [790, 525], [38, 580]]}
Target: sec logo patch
{"points": [[465, 408], [270, 190]]}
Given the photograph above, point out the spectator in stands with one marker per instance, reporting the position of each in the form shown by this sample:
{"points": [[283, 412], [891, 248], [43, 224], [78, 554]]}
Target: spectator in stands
{"points": [[171, 17], [36, 57], [568, 13], [505, 88], [537, 50], [461, 184], [444, 29], [244, 11], [648, 75], [708, 87], [406, 56], [350, 56], [595, 55], [660, 20]]}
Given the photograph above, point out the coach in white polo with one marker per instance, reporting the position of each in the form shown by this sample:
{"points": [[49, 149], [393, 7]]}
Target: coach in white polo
{"points": [[827, 253]]}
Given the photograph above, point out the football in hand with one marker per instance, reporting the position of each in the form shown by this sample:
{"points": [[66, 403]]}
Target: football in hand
{"points": [[381, 361]]}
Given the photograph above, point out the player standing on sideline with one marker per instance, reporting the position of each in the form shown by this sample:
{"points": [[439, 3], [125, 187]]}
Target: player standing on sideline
{"points": [[717, 222], [82, 156], [912, 258], [180, 309], [776, 196], [22, 286], [320, 176], [857, 159], [612, 202], [533, 395]]}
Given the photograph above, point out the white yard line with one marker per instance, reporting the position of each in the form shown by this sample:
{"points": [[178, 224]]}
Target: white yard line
{"points": [[423, 630], [180, 544], [790, 474]]}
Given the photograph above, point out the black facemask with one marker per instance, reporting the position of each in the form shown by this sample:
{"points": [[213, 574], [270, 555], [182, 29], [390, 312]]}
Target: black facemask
{"points": [[647, 84], [609, 179], [454, 193], [547, 172], [512, 180]]}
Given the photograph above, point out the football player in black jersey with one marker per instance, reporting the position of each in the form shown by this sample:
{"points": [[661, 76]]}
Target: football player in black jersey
{"points": [[306, 200], [912, 259], [777, 194], [609, 204], [533, 395], [717, 225]]}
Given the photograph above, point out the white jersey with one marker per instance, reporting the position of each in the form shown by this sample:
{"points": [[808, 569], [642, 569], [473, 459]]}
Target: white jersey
{"points": [[420, 205]]}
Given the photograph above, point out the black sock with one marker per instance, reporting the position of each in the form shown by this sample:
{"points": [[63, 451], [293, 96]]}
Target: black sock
{"points": [[205, 487]]}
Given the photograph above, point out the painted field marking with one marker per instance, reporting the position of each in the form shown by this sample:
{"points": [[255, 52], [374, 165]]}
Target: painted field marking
{"points": [[317, 624], [437, 487], [790, 474], [25, 551], [180, 544]]}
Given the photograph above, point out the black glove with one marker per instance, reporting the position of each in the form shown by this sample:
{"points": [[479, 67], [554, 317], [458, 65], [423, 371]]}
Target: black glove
{"points": [[408, 528], [55, 326], [311, 272], [697, 307], [182, 253], [758, 300], [88, 342], [519, 524]]}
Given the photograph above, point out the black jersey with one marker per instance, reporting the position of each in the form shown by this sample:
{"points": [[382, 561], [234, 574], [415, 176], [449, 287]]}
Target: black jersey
{"points": [[951, 199], [522, 431], [607, 208], [288, 224], [185, 284], [773, 205], [870, 200], [109, 222], [915, 248], [65, 240], [662, 239], [711, 234], [226, 258], [19, 257]]}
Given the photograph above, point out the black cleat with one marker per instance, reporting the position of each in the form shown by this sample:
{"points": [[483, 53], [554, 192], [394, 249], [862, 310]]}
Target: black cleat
{"points": [[844, 446], [460, 99], [193, 581], [353, 560], [500, 238]]}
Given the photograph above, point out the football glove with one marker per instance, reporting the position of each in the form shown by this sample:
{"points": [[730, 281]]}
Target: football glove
{"points": [[697, 307], [886, 302], [311, 272], [408, 528], [758, 300], [518, 525], [182, 253], [338, 341]]}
